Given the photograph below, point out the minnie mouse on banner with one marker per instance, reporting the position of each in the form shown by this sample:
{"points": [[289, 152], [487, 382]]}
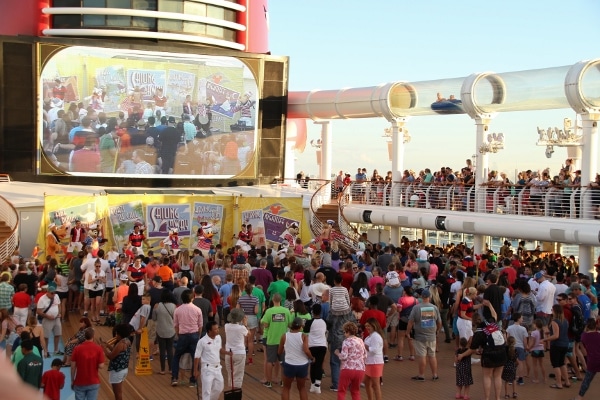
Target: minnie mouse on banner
{"points": [[172, 242]]}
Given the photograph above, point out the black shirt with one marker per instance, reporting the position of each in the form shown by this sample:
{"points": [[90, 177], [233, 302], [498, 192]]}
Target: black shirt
{"points": [[493, 293], [29, 280]]}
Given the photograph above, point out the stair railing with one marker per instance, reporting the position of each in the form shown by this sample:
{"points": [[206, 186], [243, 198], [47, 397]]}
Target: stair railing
{"points": [[323, 196], [350, 233], [10, 216]]}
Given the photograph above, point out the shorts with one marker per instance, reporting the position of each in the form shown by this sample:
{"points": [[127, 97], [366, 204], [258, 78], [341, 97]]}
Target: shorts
{"points": [[570, 349], [557, 356], [521, 353], [92, 294], [62, 295], [295, 371], [52, 327], [465, 328], [423, 349], [108, 289], [252, 321], [537, 354], [272, 356], [115, 377], [374, 370], [392, 322], [151, 331], [402, 324]]}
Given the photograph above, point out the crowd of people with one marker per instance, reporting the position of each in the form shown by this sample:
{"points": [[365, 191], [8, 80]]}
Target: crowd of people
{"points": [[79, 139], [537, 185], [361, 309]]}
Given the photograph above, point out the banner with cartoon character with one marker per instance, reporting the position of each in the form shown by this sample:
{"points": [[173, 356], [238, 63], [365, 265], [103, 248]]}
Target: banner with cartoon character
{"points": [[111, 79], [61, 216], [179, 85], [281, 218], [255, 218], [123, 218], [147, 81], [170, 222], [207, 221], [278, 228]]}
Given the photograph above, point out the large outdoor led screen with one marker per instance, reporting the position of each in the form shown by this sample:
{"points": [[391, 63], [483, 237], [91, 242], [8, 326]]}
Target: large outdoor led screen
{"points": [[129, 113]]}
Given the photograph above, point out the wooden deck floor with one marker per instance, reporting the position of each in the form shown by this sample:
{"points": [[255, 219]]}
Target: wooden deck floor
{"points": [[397, 382]]}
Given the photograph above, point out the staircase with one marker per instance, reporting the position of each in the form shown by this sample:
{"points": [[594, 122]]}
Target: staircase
{"points": [[9, 222], [328, 211], [323, 208]]}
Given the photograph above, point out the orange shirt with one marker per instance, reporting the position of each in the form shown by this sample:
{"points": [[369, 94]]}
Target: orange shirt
{"points": [[151, 270], [120, 294], [166, 273]]}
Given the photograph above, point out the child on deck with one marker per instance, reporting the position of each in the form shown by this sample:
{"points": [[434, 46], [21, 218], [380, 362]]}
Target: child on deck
{"points": [[509, 372], [53, 380], [339, 299], [464, 376], [536, 348], [392, 278]]}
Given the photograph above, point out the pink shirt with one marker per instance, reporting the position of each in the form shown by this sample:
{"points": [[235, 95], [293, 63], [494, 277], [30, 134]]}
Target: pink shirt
{"points": [[373, 282], [353, 354], [187, 319], [433, 271]]}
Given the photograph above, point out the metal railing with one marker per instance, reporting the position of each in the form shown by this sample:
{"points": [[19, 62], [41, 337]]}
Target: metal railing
{"points": [[346, 235], [9, 215], [548, 201]]}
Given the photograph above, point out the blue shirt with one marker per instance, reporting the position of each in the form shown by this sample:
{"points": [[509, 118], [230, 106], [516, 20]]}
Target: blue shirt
{"points": [[225, 291], [586, 306]]}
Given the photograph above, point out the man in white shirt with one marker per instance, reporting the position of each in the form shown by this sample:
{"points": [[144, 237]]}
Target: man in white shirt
{"points": [[207, 356], [422, 254], [48, 308], [545, 297]]}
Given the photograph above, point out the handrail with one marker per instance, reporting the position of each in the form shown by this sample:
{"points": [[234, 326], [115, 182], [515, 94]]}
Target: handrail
{"points": [[548, 201], [323, 196], [9, 214], [346, 228]]}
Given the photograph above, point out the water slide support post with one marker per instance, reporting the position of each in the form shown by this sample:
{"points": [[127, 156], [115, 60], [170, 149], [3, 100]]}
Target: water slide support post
{"points": [[397, 166], [481, 169]]}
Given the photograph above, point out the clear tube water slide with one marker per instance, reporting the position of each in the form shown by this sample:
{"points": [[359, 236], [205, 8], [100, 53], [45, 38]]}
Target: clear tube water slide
{"points": [[483, 93]]}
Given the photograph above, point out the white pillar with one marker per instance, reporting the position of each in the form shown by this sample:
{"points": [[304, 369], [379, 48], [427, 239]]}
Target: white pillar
{"points": [[589, 164], [398, 126], [574, 153], [481, 170], [289, 169], [326, 153]]}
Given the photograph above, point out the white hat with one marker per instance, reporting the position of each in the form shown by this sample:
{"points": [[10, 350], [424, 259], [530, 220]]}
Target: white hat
{"points": [[331, 222], [164, 252], [123, 277]]}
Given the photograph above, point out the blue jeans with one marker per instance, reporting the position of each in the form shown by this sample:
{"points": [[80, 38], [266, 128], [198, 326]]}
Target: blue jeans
{"points": [[585, 385], [88, 392], [335, 366], [186, 344]]}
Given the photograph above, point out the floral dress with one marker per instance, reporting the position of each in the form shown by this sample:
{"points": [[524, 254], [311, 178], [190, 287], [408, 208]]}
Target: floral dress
{"points": [[80, 336]]}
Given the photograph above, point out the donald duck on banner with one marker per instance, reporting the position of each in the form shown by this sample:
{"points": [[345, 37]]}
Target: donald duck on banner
{"points": [[205, 236]]}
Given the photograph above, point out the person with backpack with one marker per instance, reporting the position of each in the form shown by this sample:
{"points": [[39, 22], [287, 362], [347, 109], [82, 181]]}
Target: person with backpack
{"points": [[526, 305], [591, 341], [491, 340]]}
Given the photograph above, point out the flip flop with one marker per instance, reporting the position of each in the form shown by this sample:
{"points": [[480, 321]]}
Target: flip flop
{"points": [[555, 386]]}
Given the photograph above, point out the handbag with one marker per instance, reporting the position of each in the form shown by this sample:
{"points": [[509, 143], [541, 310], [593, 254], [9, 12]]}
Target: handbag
{"points": [[39, 317]]}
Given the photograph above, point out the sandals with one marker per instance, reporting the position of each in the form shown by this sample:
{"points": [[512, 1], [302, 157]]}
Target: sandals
{"points": [[411, 358], [555, 386], [398, 358]]}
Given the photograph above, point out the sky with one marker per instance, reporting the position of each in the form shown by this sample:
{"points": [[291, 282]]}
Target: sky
{"points": [[339, 44]]}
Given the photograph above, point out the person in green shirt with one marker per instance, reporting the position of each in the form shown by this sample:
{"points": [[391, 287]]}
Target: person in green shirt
{"points": [[279, 286], [31, 366], [276, 322]]}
